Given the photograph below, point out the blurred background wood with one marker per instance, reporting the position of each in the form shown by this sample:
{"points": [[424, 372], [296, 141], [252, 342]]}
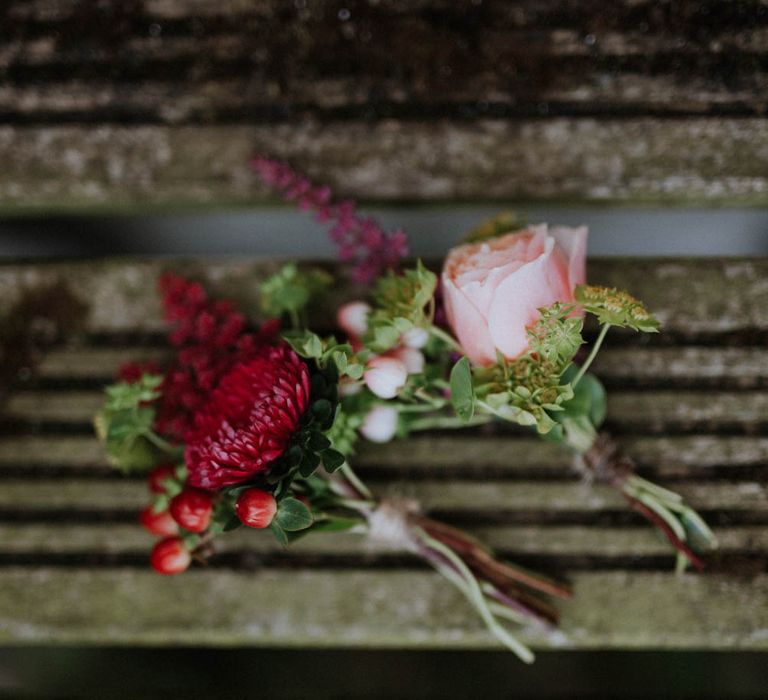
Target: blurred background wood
{"points": [[127, 105]]}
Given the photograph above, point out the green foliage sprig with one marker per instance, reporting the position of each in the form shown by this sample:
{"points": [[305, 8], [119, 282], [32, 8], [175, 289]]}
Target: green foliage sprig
{"points": [[402, 301], [616, 308], [125, 424], [527, 390], [290, 290]]}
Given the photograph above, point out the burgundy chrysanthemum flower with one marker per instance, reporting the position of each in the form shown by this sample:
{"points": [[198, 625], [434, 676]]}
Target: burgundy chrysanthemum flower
{"points": [[248, 420]]}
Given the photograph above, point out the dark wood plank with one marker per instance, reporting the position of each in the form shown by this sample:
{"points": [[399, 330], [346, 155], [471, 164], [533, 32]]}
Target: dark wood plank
{"points": [[387, 58], [114, 167]]}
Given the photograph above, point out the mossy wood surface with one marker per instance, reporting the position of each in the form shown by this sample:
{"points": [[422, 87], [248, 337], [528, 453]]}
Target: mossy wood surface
{"points": [[159, 103], [689, 405]]}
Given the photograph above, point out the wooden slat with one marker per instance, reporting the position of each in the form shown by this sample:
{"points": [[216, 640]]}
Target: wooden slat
{"points": [[443, 495], [691, 297], [101, 363], [153, 104], [740, 367], [388, 609], [743, 367], [643, 159], [659, 411], [668, 456], [579, 541], [209, 101], [438, 53]]}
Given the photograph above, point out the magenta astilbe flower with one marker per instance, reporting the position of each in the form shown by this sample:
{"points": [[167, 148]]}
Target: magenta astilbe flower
{"points": [[210, 337], [248, 420], [360, 240]]}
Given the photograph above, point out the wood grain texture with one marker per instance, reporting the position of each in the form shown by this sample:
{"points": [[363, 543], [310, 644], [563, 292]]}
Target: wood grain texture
{"points": [[690, 297], [392, 609], [669, 456], [379, 59], [659, 412], [745, 368], [438, 496], [66, 167], [84, 539], [159, 103]]}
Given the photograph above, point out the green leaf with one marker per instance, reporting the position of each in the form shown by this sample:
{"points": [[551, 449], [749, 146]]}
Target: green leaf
{"points": [[355, 371], [462, 390], [322, 410], [294, 456], [279, 533], [309, 463], [333, 459], [293, 515], [589, 399], [598, 403], [305, 343], [385, 338], [318, 442]]}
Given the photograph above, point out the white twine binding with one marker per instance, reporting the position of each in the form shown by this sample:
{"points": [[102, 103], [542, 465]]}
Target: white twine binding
{"points": [[390, 524]]}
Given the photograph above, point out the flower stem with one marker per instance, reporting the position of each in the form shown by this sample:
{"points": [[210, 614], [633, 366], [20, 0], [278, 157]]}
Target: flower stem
{"points": [[353, 479], [437, 422], [159, 442], [592, 355], [446, 338], [466, 582]]}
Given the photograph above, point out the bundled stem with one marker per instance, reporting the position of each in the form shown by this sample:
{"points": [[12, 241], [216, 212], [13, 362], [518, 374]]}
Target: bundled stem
{"points": [[680, 524], [497, 590]]}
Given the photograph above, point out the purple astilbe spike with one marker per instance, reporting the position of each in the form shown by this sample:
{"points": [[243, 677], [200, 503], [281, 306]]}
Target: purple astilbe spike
{"points": [[359, 240]]}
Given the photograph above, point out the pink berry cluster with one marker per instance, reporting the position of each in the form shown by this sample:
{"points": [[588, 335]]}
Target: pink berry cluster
{"points": [[385, 375], [360, 240], [190, 513]]}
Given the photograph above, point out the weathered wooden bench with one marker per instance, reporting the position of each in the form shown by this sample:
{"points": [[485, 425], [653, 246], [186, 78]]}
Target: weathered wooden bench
{"points": [[690, 405], [157, 104]]}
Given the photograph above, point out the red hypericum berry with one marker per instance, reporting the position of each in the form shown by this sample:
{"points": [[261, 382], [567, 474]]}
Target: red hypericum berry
{"points": [[192, 509], [161, 524], [170, 556], [256, 508], [159, 475]]}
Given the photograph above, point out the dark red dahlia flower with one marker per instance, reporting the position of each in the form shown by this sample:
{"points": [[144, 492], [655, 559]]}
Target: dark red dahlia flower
{"points": [[248, 420]]}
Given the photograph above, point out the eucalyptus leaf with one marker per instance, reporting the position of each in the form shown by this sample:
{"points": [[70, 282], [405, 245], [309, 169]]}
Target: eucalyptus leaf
{"points": [[280, 534], [293, 515], [462, 390]]}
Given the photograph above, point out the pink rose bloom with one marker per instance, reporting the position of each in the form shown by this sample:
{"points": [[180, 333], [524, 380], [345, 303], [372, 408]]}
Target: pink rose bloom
{"points": [[493, 289]]}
